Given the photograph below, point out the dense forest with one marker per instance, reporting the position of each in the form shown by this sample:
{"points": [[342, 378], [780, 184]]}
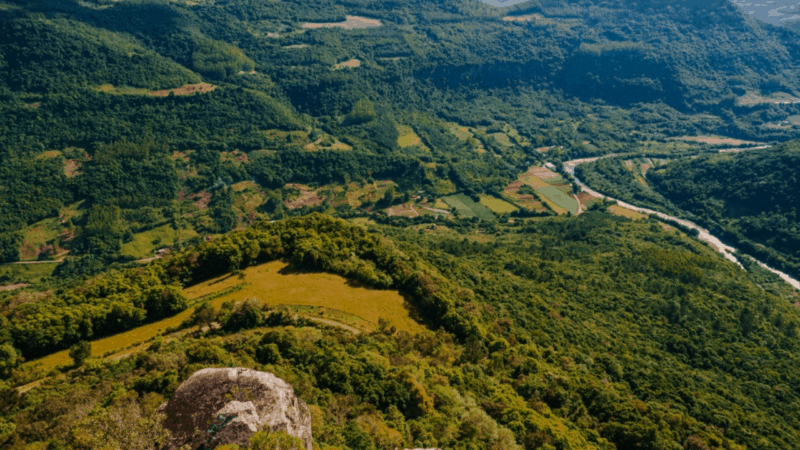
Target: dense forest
{"points": [[751, 197], [149, 146], [553, 333], [80, 79]]}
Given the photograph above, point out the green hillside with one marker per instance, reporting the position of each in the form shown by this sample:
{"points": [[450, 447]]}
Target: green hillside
{"points": [[556, 333], [751, 197], [156, 156]]}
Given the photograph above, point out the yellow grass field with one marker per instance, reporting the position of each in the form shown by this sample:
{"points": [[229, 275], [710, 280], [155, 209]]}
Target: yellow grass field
{"points": [[533, 181], [408, 138], [620, 211], [496, 205], [273, 283], [716, 140], [353, 63], [350, 23]]}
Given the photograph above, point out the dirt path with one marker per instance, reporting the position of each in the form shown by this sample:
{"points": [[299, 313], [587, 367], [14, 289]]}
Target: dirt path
{"points": [[55, 261], [334, 323]]}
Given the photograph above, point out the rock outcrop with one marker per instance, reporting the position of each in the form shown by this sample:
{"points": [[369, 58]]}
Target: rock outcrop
{"points": [[227, 406]]}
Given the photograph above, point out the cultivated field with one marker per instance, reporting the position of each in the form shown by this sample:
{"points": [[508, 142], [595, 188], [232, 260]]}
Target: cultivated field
{"points": [[308, 197], [716, 140], [496, 205], [351, 23], [559, 198], [466, 207], [620, 211]]}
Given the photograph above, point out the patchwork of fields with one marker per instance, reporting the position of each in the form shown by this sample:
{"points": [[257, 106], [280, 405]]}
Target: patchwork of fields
{"points": [[540, 189]]}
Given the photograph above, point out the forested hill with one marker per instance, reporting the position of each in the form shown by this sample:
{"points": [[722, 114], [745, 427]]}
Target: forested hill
{"points": [[753, 197]]}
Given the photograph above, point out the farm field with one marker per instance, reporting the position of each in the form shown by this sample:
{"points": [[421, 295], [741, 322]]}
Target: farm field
{"points": [[277, 284], [624, 212], [146, 243], [466, 207], [559, 198], [351, 23], [716, 140], [496, 205]]}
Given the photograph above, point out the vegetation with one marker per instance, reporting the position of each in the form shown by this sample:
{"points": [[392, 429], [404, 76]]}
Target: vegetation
{"points": [[750, 198], [571, 333], [592, 331]]}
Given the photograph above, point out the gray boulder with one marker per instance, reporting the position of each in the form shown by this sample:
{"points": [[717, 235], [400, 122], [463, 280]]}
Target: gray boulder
{"points": [[227, 406]]}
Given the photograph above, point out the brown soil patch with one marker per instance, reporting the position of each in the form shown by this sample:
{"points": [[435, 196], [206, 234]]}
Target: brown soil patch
{"points": [[33, 105], [201, 199], [72, 168], [350, 23], [353, 63], [585, 197], [542, 172], [402, 210], [308, 197], [527, 201], [189, 89], [12, 287]]}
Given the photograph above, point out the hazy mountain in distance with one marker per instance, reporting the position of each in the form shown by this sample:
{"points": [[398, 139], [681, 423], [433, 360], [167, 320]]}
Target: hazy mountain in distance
{"points": [[781, 12]]}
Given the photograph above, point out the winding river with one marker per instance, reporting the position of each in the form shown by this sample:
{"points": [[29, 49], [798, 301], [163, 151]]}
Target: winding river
{"points": [[704, 235]]}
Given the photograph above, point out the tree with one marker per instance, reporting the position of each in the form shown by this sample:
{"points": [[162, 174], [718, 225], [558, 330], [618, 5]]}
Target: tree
{"points": [[8, 360], [79, 352], [204, 315]]}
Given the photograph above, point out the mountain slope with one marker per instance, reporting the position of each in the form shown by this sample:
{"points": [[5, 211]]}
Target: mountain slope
{"points": [[539, 342], [752, 196]]}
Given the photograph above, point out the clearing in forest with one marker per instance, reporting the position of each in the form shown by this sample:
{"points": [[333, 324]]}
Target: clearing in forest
{"points": [[351, 64], [188, 89], [278, 284], [716, 140], [780, 98], [624, 212], [404, 210], [408, 138], [308, 197], [145, 244], [350, 23]]}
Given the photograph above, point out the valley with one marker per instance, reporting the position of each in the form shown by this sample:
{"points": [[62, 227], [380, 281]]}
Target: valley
{"points": [[451, 224]]}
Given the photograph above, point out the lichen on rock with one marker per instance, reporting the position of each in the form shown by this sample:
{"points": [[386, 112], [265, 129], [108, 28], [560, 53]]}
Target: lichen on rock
{"points": [[227, 406]]}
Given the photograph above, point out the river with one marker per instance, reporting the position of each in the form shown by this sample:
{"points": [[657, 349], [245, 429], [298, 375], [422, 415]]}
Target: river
{"points": [[704, 235]]}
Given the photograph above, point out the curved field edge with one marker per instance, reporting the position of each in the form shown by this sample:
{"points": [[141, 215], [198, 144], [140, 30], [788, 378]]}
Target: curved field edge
{"points": [[316, 243]]}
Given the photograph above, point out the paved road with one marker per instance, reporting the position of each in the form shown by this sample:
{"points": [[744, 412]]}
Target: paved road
{"points": [[704, 235]]}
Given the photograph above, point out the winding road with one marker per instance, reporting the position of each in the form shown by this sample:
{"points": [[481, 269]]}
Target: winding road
{"points": [[704, 235]]}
